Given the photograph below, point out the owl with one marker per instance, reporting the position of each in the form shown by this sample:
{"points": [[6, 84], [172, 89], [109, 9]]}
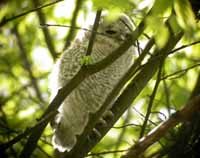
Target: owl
{"points": [[90, 94]]}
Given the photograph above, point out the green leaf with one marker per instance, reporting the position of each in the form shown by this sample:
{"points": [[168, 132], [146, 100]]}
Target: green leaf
{"points": [[159, 29], [86, 60], [113, 5], [185, 16], [174, 25], [161, 6], [161, 36]]}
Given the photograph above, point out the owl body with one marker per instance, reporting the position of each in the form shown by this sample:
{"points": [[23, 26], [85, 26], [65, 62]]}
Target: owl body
{"points": [[91, 93]]}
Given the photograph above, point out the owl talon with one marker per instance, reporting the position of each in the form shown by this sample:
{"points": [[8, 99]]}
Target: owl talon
{"points": [[108, 115], [94, 135], [101, 123]]}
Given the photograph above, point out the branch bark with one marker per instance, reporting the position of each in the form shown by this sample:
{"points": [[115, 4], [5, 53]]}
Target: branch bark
{"points": [[7, 20], [93, 35], [72, 30], [152, 97], [195, 91], [27, 64], [47, 36], [184, 114]]}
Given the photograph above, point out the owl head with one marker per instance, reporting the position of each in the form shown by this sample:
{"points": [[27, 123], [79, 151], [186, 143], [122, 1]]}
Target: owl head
{"points": [[111, 33], [118, 28], [115, 29]]}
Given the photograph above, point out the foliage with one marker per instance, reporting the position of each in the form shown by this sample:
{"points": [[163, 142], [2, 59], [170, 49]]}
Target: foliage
{"points": [[29, 49]]}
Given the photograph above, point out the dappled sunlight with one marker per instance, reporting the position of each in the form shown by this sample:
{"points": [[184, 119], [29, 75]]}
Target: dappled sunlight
{"points": [[42, 59], [26, 113], [158, 93]]}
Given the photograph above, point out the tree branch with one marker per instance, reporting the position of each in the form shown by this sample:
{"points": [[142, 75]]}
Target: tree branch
{"points": [[180, 71], [184, 46], [152, 97], [167, 96], [27, 65], [105, 153], [183, 115], [5, 21], [93, 35], [123, 131], [45, 30], [71, 33], [74, 27], [23, 135], [196, 88], [14, 94]]}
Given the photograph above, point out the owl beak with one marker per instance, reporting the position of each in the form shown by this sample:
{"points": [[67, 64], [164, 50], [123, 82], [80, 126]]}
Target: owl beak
{"points": [[123, 37]]}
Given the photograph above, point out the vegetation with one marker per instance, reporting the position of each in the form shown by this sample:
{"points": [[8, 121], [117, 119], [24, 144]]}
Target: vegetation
{"points": [[157, 113]]}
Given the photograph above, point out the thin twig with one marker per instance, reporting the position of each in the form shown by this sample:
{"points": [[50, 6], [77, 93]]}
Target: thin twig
{"points": [[74, 27], [14, 93], [184, 46], [196, 88], [23, 135], [5, 21], [67, 26], [143, 116], [27, 64], [45, 30], [150, 105], [167, 96], [123, 131], [171, 51], [180, 71], [71, 33], [184, 114], [93, 35], [126, 125], [106, 152]]}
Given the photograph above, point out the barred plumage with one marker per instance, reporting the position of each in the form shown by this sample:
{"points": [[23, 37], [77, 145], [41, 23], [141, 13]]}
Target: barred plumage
{"points": [[92, 92]]}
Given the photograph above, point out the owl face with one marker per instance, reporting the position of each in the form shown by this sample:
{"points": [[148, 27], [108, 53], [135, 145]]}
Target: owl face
{"points": [[118, 29], [111, 33]]}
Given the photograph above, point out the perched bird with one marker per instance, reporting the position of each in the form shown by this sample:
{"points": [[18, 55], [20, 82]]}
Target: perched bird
{"points": [[91, 93]]}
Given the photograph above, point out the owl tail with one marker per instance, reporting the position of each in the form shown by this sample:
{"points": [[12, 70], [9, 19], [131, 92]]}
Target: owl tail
{"points": [[63, 138]]}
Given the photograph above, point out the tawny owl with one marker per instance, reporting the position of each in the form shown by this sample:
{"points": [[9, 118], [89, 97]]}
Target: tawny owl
{"points": [[91, 93]]}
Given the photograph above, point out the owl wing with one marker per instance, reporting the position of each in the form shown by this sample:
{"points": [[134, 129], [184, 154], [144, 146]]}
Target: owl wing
{"points": [[66, 67], [64, 70]]}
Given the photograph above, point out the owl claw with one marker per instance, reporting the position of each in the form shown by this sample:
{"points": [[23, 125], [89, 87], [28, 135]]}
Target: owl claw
{"points": [[101, 123], [94, 135], [97, 133], [108, 115]]}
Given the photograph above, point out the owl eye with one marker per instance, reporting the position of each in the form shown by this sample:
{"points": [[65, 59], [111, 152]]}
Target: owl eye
{"points": [[111, 32]]}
